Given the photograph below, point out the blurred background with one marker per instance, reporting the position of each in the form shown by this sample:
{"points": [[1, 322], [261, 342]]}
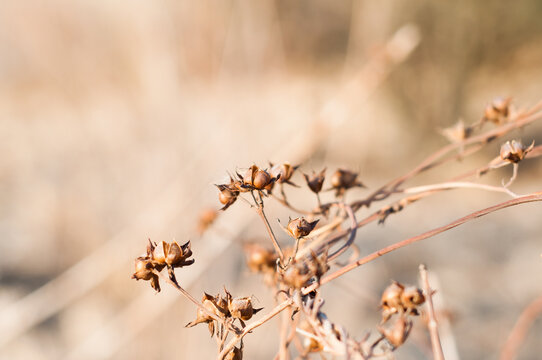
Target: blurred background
{"points": [[116, 119]]}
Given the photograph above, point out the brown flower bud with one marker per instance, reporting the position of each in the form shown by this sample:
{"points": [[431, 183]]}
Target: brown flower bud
{"points": [[211, 304], [260, 259], [514, 151], [228, 193], [172, 255], [241, 308], [300, 273], [411, 298], [283, 172], [144, 271], [457, 132], [300, 227], [257, 179], [206, 218], [342, 179], [234, 354], [391, 300], [398, 332], [315, 181], [498, 111]]}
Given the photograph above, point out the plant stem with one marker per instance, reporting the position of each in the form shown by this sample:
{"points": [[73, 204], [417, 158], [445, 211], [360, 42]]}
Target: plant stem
{"points": [[259, 210], [432, 323], [521, 200], [279, 308]]}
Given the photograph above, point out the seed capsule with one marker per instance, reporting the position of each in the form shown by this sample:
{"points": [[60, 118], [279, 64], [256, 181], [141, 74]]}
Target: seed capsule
{"points": [[411, 298], [315, 181], [342, 180], [514, 151], [300, 227]]}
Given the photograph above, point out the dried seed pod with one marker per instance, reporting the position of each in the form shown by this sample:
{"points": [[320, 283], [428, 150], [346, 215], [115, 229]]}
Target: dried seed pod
{"points": [[315, 181], [144, 271], [211, 304], [398, 332], [514, 151], [411, 298], [391, 300], [259, 258], [342, 179], [235, 354], [300, 227], [228, 193], [310, 344], [256, 178], [283, 172], [301, 273], [458, 132], [172, 255], [206, 218], [241, 308], [498, 111]]}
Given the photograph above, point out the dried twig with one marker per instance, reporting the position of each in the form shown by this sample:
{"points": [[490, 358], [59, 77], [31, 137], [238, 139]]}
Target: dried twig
{"points": [[519, 331], [432, 320]]}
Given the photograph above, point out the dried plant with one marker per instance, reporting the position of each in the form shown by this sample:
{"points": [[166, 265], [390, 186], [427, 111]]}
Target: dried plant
{"points": [[295, 273]]}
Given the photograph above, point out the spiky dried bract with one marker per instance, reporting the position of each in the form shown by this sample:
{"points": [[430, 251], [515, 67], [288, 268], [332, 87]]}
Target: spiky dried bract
{"points": [[235, 354], [240, 307], [301, 273], [170, 255], [343, 179], [260, 259], [228, 193], [144, 271], [316, 180], [283, 172], [457, 132], [206, 218], [498, 111], [257, 179], [398, 332], [300, 227], [397, 298], [216, 305], [514, 151]]}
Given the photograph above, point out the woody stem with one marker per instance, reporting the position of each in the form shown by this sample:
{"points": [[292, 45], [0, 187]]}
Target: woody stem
{"points": [[259, 210]]}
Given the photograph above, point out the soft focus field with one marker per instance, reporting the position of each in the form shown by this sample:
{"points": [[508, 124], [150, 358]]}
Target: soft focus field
{"points": [[117, 117]]}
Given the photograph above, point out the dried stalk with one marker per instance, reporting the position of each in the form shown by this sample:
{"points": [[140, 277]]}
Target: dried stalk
{"points": [[432, 320], [519, 331]]}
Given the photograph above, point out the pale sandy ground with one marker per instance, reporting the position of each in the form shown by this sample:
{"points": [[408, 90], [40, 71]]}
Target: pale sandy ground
{"points": [[116, 119]]}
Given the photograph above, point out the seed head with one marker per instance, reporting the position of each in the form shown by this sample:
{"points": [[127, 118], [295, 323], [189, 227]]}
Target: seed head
{"points": [[315, 181], [342, 179], [257, 179], [235, 354], [457, 132], [398, 332], [241, 307], [259, 258], [283, 172], [144, 270], [514, 151], [411, 298], [300, 227], [228, 193], [498, 111]]}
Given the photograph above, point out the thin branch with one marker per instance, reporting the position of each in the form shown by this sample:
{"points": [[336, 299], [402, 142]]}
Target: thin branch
{"points": [[278, 309], [432, 321], [259, 210], [197, 303], [457, 185], [521, 200], [520, 329]]}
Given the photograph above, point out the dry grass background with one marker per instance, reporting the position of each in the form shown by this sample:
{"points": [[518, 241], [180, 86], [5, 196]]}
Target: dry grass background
{"points": [[117, 117]]}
